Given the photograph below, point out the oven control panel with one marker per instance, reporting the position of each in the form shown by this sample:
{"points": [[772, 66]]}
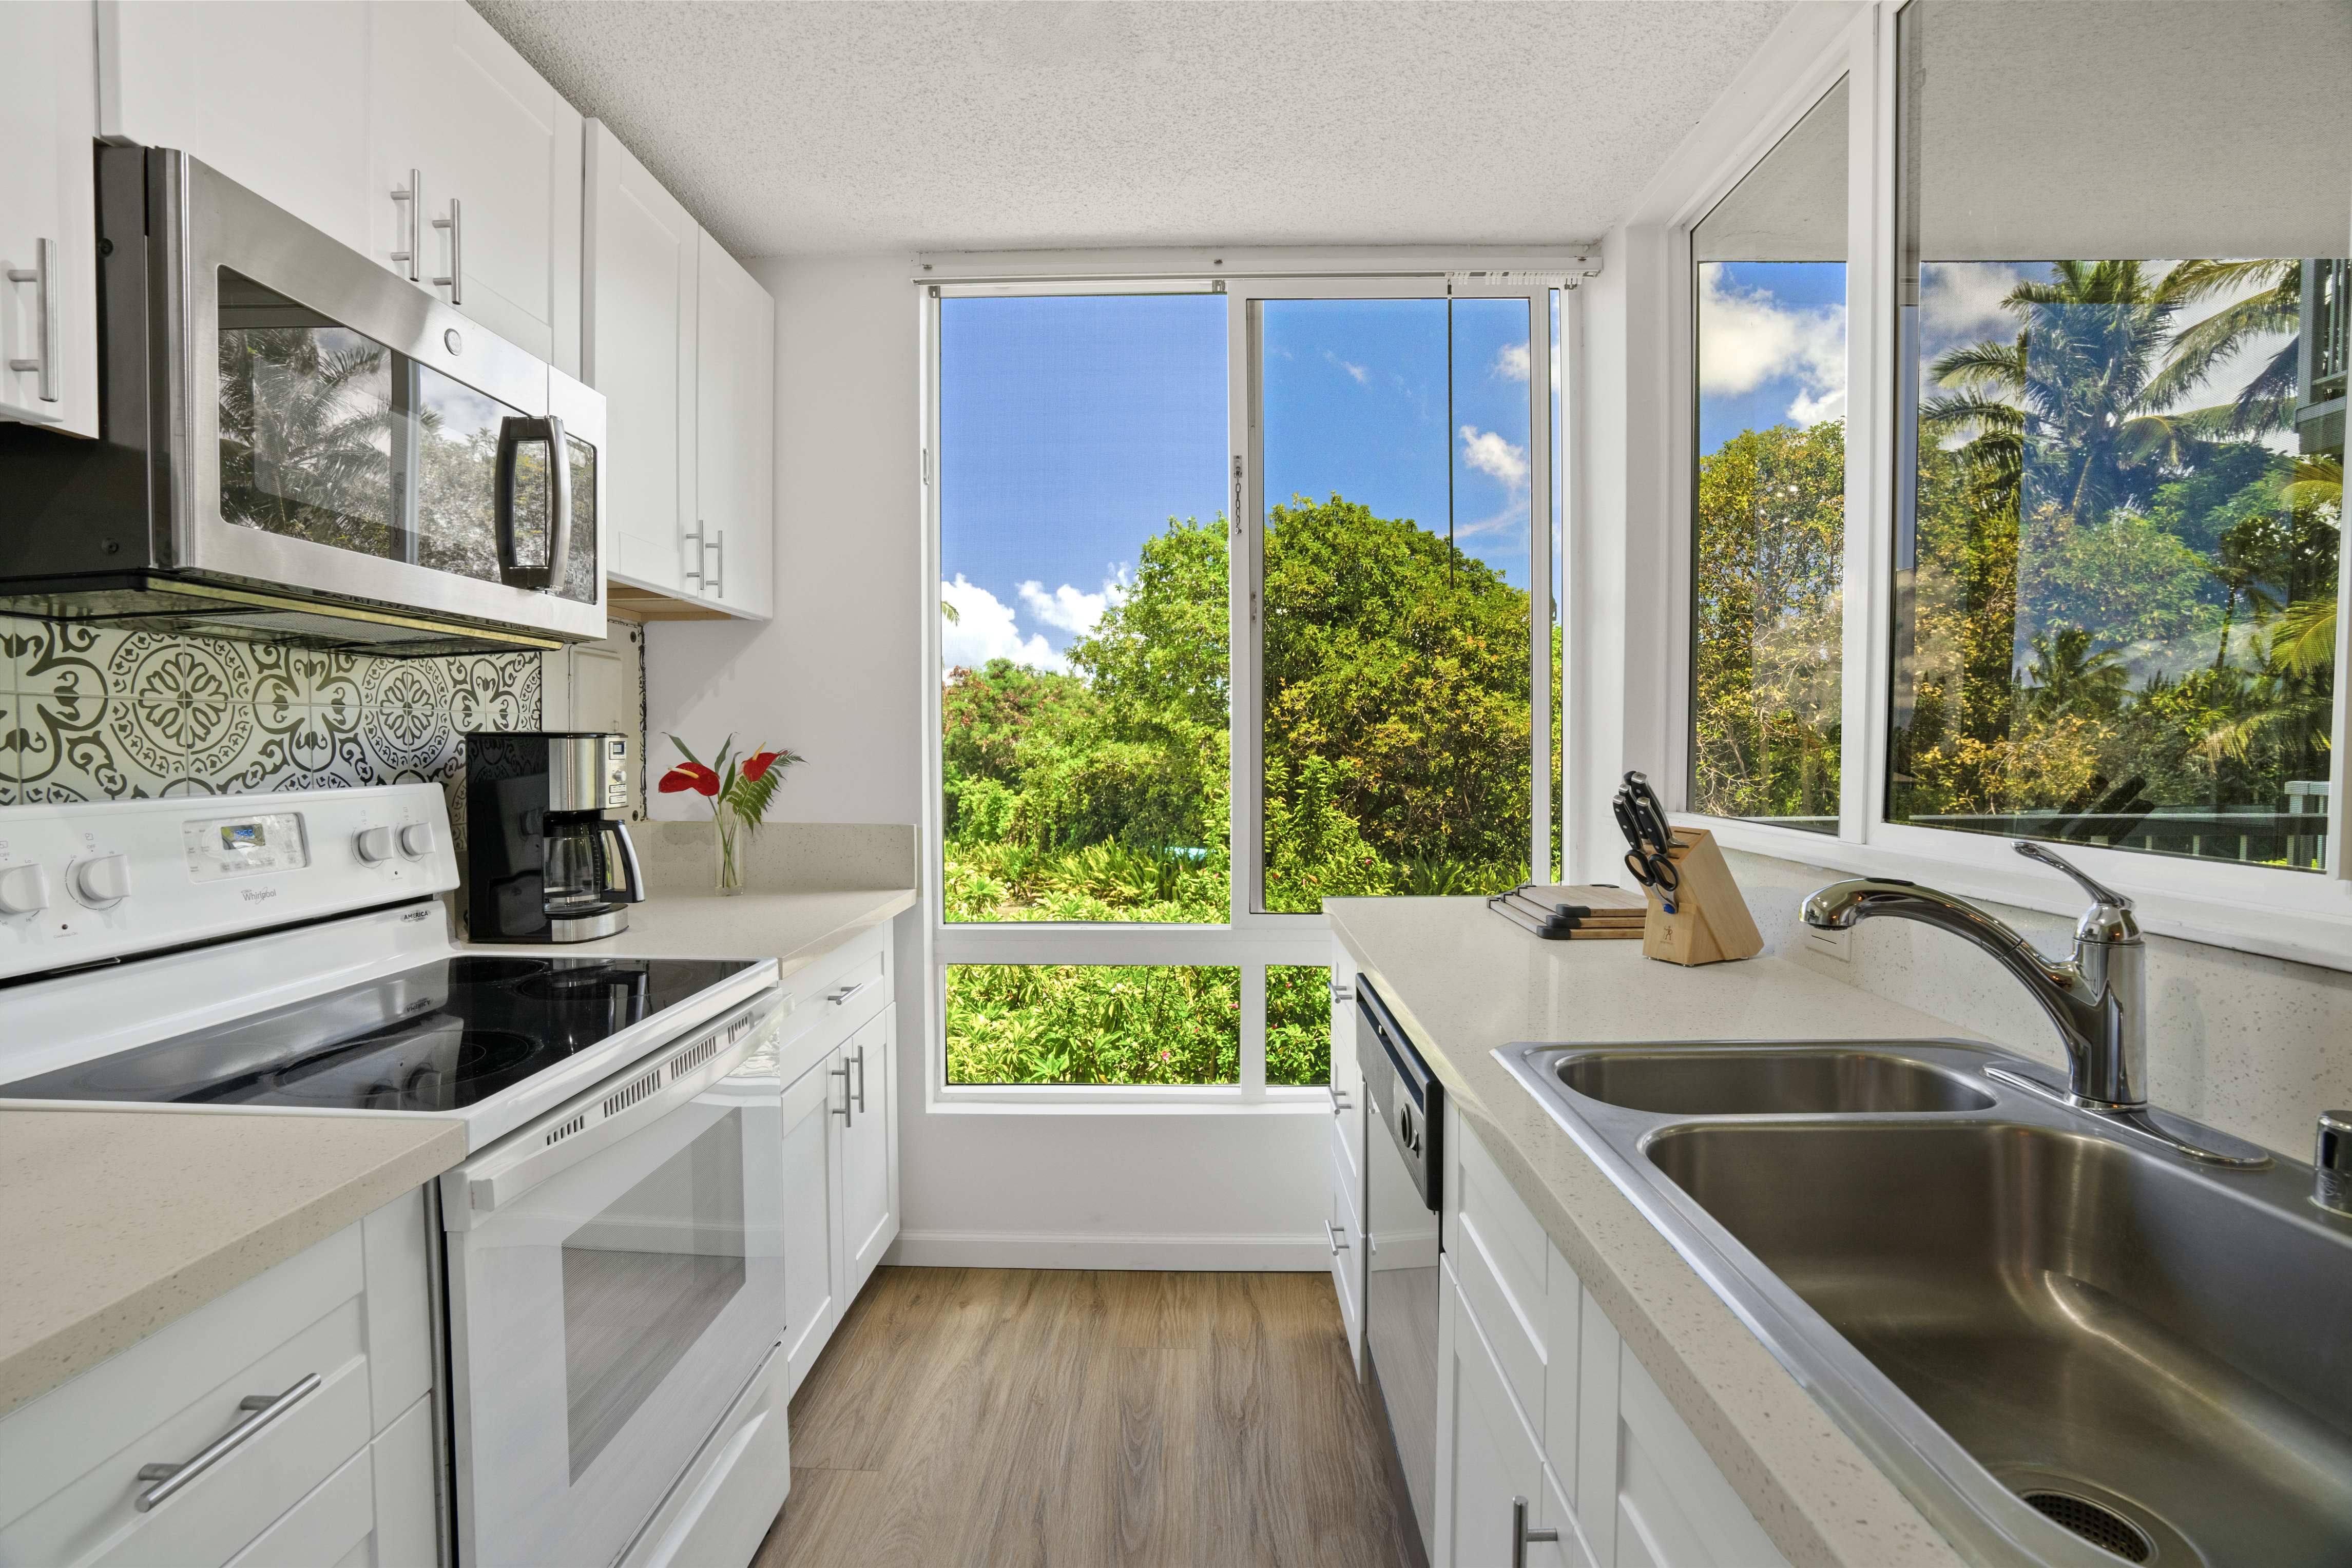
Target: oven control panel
{"points": [[87, 881], [244, 846]]}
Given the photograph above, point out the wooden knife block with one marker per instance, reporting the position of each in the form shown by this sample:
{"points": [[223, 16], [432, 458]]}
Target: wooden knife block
{"points": [[1710, 922]]}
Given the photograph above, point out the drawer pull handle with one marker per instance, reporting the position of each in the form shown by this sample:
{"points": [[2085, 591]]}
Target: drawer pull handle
{"points": [[1338, 1102], [1521, 1534], [843, 995], [1331, 1232], [266, 1409]]}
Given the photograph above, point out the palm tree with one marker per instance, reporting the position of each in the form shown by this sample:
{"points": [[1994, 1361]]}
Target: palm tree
{"points": [[2076, 394], [2267, 402]]}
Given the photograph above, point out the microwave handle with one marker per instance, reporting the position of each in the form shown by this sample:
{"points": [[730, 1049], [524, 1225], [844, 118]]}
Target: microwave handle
{"points": [[513, 431], [633, 878]]}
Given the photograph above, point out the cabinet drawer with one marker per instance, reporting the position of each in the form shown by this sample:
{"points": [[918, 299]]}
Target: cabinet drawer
{"points": [[1345, 1237], [1347, 1177], [323, 1527], [69, 1459], [1514, 1329], [237, 1499]]}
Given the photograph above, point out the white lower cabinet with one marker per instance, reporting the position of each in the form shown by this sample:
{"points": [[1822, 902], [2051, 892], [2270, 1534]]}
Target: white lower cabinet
{"points": [[841, 1145], [1541, 1403], [1346, 1225], [339, 1469]]}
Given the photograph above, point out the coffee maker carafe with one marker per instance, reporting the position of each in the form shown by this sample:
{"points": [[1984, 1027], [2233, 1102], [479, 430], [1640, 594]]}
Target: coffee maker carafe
{"points": [[544, 862]]}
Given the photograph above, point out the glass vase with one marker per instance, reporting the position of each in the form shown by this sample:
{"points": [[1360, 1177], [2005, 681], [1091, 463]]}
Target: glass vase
{"points": [[729, 842]]}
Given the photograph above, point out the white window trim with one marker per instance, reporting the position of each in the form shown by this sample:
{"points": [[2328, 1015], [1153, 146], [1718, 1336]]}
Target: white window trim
{"points": [[1252, 939], [2301, 916]]}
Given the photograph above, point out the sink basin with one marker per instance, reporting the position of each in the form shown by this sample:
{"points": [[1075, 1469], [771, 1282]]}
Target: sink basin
{"points": [[2066, 1346], [2084, 1319], [1690, 1081]]}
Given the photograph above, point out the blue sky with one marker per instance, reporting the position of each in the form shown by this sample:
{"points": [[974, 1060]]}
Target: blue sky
{"points": [[1771, 346], [1072, 429]]}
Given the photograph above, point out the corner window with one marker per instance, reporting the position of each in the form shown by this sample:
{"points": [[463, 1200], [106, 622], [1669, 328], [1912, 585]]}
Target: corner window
{"points": [[1769, 544], [2121, 383]]}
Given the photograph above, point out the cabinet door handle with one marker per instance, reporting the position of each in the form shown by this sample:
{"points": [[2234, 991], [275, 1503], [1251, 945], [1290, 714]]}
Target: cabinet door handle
{"points": [[718, 582], [266, 1409], [694, 555], [1331, 1233], [414, 197], [861, 1080], [1521, 1534], [456, 224], [45, 311], [1341, 993], [842, 1110], [1338, 1102]]}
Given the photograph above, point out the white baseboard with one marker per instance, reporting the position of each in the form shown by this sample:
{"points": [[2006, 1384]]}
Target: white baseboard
{"points": [[1173, 1254]]}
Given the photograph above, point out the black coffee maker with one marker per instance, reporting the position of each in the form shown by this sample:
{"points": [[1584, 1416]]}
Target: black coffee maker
{"points": [[543, 861]]}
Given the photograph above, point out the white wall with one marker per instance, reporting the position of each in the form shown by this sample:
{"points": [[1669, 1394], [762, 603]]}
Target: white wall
{"points": [[837, 676], [834, 676]]}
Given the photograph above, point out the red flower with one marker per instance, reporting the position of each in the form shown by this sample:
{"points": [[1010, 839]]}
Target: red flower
{"points": [[757, 765], [691, 776]]}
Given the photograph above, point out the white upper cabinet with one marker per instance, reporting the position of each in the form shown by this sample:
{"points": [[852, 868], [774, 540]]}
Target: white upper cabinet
{"points": [[643, 270], [275, 97], [329, 110], [735, 404], [48, 298], [681, 341], [489, 140]]}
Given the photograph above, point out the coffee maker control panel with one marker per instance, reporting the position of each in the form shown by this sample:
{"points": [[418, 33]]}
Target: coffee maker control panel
{"points": [[617, 772]]}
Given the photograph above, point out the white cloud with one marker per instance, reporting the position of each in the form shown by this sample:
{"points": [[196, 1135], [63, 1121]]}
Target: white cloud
{"points": [[1511, 361], [1748, 337], [1961, 300], [1067, 610], [1490, 454], [1359, 372], [984, 629]]}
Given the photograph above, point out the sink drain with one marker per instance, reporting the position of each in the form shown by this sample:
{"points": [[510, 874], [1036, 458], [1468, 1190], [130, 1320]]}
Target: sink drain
{"points": [[2102, 1526]]}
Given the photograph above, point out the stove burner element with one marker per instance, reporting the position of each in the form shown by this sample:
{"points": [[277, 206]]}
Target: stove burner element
{"points": [[584, 982]]}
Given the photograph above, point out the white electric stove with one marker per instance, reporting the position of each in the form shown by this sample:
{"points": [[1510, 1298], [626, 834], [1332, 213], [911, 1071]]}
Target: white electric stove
{"points": [[612, 1247]]}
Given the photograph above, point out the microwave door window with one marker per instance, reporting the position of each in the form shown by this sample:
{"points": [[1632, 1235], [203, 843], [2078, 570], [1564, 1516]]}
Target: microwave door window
{"points": [[644, 1278], [457, 432], [580, 573], [308, 414]]}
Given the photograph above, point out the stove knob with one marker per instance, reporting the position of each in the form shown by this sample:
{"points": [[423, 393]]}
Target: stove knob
{"points": [[373, 844], [416, 841], [101, 879], [24, 889]]}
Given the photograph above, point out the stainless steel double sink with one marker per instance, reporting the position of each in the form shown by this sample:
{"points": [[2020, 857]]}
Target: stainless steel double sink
{"points": [[2066, 1347]]}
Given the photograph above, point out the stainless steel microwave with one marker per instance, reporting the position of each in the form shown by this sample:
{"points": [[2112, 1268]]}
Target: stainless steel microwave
{"points": [[297, 444]]}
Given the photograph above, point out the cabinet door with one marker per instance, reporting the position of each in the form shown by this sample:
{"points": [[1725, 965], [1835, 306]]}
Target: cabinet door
{"points": [[735, 435], [273, 96], [1345, 1236], [812, 1105], [483, 131], [643, 267], [868, 1197], [1494, 1457], [46, 198]]}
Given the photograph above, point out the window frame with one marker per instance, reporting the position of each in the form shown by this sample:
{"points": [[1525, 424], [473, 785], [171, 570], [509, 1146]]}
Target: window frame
{"points": [[1249, 939], [2299, 916]]}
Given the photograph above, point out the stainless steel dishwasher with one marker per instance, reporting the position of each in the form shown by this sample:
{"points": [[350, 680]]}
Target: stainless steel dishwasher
{"points": [[1405, 1175]]}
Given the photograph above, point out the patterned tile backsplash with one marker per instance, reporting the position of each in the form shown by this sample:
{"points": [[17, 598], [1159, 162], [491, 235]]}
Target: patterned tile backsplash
{"points": [[89, 714]]}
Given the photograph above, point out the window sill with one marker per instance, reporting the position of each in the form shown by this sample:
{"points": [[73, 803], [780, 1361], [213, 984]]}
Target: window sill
{"points": [[1170, 1101], [2218, 905]]}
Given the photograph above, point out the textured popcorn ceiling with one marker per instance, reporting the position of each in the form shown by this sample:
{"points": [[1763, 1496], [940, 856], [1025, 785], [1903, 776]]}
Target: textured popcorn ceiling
{"points": [[813, 128]]}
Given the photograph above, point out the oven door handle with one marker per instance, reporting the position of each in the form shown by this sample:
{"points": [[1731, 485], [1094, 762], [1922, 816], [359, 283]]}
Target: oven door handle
{"points": [[644, 1092]]}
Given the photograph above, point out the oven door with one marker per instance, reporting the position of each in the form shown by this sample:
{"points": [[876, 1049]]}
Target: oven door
{"points": [[605, 1320], [335, 429]]}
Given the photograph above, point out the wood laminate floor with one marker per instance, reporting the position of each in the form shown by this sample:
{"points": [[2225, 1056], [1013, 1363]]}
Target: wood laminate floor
{"points": [[1049, 1416]]}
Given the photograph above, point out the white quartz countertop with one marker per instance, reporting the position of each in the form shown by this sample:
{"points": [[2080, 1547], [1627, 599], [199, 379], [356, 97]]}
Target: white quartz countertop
{"points": [[114, 1221], [1464, 981], [796, 929]]}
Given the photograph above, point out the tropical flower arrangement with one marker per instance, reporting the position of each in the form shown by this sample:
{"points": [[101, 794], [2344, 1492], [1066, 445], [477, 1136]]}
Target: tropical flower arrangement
{"points": [[739, 791]]}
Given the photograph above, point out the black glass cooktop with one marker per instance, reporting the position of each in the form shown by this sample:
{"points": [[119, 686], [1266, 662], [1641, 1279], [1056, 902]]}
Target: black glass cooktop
{"points": [[435, 1038]]}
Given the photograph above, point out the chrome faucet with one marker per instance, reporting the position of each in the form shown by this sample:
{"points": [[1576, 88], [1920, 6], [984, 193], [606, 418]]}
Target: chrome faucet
{"points": [[2098, 998]]}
